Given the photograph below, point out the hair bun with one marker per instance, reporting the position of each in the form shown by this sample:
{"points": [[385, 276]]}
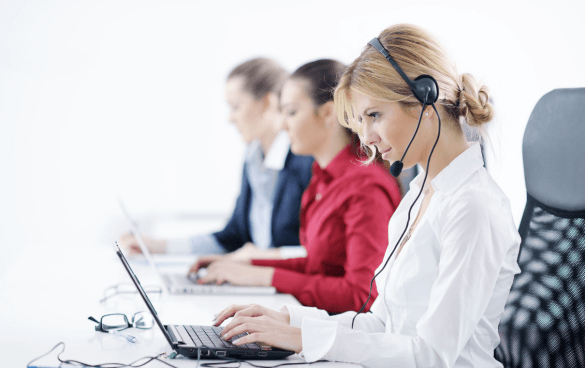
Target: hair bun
{"points": [[474, 104]]}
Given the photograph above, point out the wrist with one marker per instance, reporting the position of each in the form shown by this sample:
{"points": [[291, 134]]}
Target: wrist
{"points": [[269, 274]]}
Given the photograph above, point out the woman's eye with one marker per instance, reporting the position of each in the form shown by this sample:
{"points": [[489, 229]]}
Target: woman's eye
{"points": [[374, 115], [292, 113]]}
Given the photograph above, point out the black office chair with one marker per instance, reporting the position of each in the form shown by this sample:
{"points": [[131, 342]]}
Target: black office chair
{"points": [[544, 320]]}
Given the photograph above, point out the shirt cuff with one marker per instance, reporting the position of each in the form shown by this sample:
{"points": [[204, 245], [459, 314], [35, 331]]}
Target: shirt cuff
{"points": [[297, 313], [318, 337], [178, 246], [200, 244], [206, 244], [292, 251]]}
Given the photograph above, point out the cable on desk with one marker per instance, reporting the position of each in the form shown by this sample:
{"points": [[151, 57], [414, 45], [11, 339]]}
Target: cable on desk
{"points": [[239, 361], [102, 365], [225, 360]]}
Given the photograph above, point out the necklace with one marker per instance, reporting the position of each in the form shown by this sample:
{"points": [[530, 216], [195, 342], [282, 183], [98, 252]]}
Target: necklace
{"points": [[414, 224]]}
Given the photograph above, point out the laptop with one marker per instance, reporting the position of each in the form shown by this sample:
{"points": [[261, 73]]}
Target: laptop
{"points": [[188, 340], [177, 283]]}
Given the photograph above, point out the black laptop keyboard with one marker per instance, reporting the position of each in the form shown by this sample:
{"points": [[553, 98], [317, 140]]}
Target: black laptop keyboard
{"points": [[209, 336]]}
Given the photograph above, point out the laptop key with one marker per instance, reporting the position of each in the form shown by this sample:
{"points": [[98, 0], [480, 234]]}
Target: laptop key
{"points": [[193, 335]]}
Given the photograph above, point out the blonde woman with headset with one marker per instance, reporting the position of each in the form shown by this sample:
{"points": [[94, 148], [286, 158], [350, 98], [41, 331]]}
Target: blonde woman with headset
{"points": [[453, 244]]}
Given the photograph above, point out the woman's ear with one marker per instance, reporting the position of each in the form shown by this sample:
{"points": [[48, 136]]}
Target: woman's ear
{"points": [[429, 112], [271, 102], [327, 113]]}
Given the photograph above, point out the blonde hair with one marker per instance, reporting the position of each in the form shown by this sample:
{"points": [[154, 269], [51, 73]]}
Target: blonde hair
{"points": [[417, 52]]}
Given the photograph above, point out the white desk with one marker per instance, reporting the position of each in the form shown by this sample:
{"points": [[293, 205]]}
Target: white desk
{"points": [[47, 295]]}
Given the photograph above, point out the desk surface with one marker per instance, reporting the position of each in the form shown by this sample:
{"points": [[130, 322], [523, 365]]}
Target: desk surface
{"points": [[47, 295]]}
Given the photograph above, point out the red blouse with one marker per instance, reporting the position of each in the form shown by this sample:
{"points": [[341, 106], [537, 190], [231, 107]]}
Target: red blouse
{"points": [[345, 212]]}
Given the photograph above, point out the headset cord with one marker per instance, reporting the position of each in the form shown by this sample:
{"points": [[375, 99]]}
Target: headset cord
{"points": [[409, 211]]}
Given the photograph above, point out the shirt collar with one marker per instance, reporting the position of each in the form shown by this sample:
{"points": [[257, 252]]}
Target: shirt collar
{"points": [[337, 166], [275, 158], [452, 176]]}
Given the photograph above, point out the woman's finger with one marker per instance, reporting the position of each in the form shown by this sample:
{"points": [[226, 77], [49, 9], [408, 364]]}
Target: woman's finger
{"points": [[247, 326], [209, 278], [227, 313], [238, 321], [252, 337]]}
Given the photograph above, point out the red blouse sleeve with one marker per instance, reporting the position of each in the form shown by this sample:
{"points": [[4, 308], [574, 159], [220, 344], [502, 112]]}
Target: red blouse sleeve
{"points": [[293, 264], [365, 216]]}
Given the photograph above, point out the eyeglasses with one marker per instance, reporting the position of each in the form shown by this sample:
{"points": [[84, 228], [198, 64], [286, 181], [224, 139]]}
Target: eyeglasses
{"points": [[119, 321], [125, 288]]}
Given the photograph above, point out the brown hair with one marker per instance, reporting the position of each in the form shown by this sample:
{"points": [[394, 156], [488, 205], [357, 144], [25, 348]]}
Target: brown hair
{"points": [[261, 76], [322, 77], [417, 53]]}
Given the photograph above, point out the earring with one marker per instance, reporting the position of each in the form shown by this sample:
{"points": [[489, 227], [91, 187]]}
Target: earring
{"points": [[426, 113]]}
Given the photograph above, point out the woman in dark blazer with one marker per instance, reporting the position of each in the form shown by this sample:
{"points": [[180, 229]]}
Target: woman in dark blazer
{"points": [[267, 210]]}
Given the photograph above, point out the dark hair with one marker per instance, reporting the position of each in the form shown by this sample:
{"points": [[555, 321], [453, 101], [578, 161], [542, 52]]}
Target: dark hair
{"points": [[261, 76], [322, 77]]}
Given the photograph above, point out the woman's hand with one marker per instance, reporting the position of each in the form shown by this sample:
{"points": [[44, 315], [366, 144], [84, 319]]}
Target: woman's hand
{"points": [[249, 310], [130, 244], [250, 251], [237, 273], [204, 261], [266, 331], [263, 325]]}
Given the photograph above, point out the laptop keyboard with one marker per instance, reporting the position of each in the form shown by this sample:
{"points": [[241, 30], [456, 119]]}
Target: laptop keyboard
{"points": [[209, 336]]}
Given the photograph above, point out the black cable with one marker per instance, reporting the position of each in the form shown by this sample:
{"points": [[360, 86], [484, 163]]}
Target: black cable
{"points": [[102, 365], [226, 360], [240, 361], [413, 203]]}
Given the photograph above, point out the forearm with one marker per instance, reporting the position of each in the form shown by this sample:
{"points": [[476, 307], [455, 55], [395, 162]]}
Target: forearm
{"points": [[293, 264], [327, 339], [333, 294]]}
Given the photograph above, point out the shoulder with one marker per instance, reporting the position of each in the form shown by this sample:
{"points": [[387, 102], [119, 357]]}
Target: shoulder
{"points": [[478, 203], [373, 174], [478, 192], [295, 162], [299, 168]]}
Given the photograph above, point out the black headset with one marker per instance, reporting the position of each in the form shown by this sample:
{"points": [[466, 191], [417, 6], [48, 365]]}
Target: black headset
{"points": [[426, 89]]}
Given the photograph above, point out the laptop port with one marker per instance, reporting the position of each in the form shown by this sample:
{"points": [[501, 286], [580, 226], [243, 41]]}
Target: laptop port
{"points": [[249, 353], [262, 354], [220, 353]]}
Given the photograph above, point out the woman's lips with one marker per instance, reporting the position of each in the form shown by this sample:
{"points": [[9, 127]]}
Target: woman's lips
{"points": [[383, 153]]}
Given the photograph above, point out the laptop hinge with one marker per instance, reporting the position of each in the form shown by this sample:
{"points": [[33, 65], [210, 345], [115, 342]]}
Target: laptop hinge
{"points": [[178, 336]]}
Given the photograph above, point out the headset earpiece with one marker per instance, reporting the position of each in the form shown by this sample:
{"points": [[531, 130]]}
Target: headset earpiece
{"points": [[426, 89]]}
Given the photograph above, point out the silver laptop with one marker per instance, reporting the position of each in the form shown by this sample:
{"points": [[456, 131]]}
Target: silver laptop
{"points": [[177, 283]]}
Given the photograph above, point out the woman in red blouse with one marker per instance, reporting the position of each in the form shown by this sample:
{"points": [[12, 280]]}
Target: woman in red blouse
{"points": [[344, 211]]}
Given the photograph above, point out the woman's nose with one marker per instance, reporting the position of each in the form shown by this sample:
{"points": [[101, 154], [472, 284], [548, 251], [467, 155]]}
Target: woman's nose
{"points": [[370, 137]]}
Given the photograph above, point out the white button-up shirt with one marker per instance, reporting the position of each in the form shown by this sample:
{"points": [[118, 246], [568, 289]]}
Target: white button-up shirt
{"points": [[441, 300], [263, 177]]}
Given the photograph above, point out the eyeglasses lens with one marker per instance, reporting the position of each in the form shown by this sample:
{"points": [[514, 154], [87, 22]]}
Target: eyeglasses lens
{"points": [[114, 322], [143, 320]]}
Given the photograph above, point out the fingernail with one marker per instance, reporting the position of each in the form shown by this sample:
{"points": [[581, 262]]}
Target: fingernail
{"points": [[236, 342]]}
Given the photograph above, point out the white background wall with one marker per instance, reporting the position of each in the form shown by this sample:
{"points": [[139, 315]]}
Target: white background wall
{"points": [[100, 99]]}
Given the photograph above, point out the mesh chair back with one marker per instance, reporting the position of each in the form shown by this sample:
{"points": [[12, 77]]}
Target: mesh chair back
{"points": [[544, 320]]}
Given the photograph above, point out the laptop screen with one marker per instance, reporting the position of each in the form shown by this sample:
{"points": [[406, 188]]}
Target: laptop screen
{"points": [[143, 294]]}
